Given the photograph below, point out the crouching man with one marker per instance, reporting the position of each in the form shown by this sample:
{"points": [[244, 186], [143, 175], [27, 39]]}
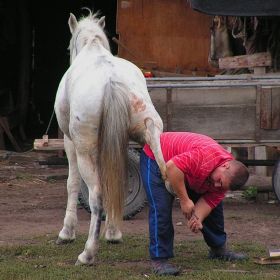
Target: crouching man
{"points": [[200, 172]]}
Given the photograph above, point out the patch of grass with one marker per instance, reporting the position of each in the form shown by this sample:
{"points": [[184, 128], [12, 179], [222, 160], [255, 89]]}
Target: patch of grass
{"points": [[250, 219], [23, 176], [235, 217], [51, 180], [272, 218], [128, 260], [250, 193]]}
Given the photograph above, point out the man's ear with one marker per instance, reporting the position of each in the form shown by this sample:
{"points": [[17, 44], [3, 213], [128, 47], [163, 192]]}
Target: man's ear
{"points": [[225, 165]]}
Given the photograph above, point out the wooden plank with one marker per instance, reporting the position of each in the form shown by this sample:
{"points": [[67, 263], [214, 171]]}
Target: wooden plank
{"points": [[52, 144], [218, 122], [219, 113], [269, 135], [229, 96], [167, 74], [259, 70], [265, 108], [258, 114], [275, 108], [245, 61], [270, 108], [45, 140], [58, 144], [261, 153]]}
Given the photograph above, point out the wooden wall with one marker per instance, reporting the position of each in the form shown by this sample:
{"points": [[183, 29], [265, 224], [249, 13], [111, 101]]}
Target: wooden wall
{"points": [[166, 34]]}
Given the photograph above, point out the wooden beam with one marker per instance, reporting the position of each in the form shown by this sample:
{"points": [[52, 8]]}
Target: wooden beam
{"points": [[245, 61], [50, 144], [58, 144]]}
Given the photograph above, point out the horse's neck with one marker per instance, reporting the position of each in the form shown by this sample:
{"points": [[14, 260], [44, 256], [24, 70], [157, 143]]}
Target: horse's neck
{"points": [[104, 41], [99, 40], [96, 44], [94, 48], [99, 47]]}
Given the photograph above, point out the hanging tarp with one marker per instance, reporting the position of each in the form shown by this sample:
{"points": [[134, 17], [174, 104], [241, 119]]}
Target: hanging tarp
{"points": [[237, 7]]}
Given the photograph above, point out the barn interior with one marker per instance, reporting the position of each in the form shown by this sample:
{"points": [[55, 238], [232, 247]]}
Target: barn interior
{"points": [[34, 55]]}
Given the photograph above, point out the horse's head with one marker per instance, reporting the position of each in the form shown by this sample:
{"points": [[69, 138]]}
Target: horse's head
{"points": [[87, 28]]}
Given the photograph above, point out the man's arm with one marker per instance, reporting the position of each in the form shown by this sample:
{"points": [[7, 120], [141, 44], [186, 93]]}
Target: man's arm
{"points": [[202, 210], [176, 178]]}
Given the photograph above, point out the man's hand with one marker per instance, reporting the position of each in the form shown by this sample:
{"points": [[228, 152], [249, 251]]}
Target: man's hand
{"points": [[194, 224], [187, 207], [176, 177]]}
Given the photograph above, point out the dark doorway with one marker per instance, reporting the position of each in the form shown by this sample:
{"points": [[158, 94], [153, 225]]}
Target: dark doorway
{"points": [[49, 21]]}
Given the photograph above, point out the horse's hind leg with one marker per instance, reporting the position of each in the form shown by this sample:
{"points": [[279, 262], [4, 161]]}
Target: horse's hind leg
{"points": [[113, 234], [67, 234], [152, 137], [89, 173]]}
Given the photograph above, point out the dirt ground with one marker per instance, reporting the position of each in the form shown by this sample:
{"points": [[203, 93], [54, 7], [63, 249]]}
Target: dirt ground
{"points": [[33, 200]]}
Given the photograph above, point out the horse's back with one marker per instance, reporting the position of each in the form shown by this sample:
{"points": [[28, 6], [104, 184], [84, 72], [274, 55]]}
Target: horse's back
{"points": [[93, 70], [95, 67]]}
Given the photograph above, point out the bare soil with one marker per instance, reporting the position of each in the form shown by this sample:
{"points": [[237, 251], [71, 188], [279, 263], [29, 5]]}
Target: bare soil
{"points": [[33, 200]]}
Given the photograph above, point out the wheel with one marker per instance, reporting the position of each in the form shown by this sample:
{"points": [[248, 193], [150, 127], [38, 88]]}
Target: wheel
{"points": [[276, 179], [135, 196]]}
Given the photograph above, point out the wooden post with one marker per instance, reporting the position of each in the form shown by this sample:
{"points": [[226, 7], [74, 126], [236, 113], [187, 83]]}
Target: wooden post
{"points": [[261, 153]]}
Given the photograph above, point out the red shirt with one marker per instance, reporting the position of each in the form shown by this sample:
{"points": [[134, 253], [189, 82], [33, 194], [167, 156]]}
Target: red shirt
{"points": [[196, 155]]}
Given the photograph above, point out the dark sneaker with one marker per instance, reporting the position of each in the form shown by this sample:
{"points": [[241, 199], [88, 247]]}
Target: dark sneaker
{"points": [[162, 267], [228, 256]]}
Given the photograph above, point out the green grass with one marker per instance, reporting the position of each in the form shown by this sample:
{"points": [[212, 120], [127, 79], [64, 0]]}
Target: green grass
{"points": [[23, 176], [129, 260]]}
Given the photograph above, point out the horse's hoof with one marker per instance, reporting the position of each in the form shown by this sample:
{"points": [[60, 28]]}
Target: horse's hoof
{"points": [[115, 241], [60, 241], [78, 263]]}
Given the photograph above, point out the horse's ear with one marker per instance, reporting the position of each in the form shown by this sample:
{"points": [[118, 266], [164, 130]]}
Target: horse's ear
{"points": [[101, 22], [72, 23]]}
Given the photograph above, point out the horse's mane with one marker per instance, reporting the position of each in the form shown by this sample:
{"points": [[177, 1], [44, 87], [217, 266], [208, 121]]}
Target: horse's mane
{"points": [[89, 26], [92, 16]]}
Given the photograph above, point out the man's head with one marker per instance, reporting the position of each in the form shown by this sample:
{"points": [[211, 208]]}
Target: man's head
{"points": [[231, 175]]}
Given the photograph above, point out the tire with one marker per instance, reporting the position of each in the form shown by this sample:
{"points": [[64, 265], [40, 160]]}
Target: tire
{"points": [[276, 179], [135, 196]]}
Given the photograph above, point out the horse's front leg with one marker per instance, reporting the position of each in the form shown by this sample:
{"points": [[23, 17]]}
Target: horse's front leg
{"points": [[67, 234], [89, 173]]}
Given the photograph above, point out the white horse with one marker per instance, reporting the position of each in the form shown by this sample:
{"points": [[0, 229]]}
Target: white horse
{"points": [[101, 102]]}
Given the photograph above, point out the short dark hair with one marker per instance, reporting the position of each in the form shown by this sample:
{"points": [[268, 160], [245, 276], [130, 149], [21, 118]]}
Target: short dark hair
{"points": [[238, 174]]}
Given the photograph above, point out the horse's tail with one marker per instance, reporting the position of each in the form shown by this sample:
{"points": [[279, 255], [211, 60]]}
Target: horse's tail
{"points": [[112, 145]]}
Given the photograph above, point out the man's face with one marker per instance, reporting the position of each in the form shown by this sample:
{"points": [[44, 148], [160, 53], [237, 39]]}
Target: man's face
{"points": [[218, 177]]}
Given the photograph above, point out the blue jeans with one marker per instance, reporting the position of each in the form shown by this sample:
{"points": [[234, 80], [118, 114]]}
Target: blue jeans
{"points": [[160, 203]]}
